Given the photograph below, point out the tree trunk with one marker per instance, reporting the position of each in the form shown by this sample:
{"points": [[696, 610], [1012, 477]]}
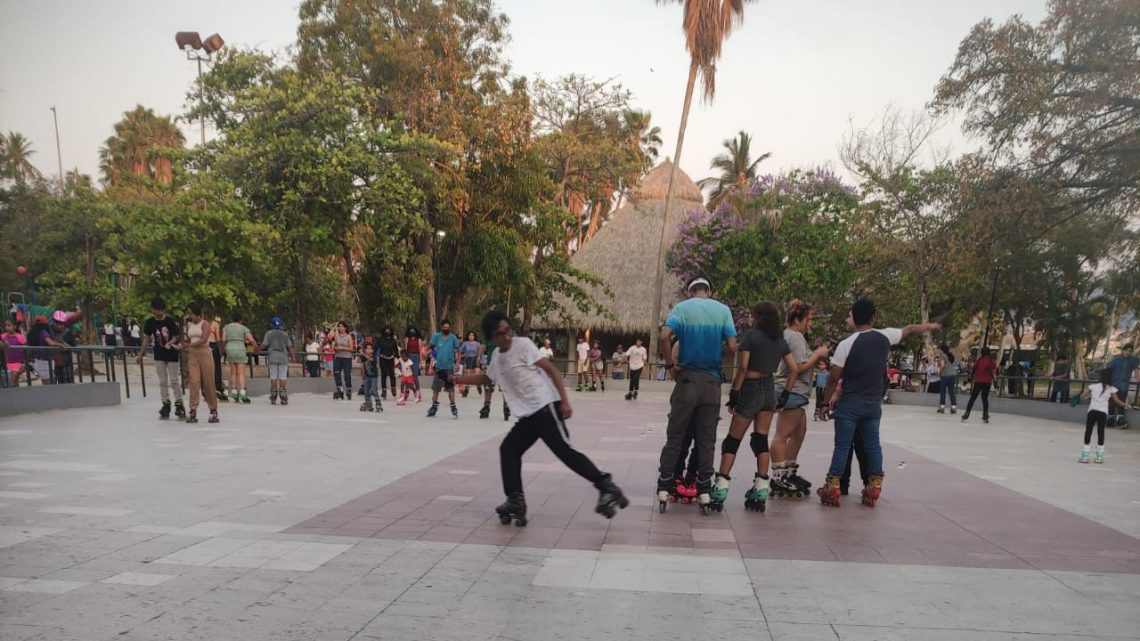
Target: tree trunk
{"points": [[924, 311], [659, 278], [433, 318], [354, 284]]}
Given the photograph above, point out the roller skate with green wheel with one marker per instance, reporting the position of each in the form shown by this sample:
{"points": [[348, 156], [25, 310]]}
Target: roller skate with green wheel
{"points": [[719, 492], [756, 498], [1084, 456]]}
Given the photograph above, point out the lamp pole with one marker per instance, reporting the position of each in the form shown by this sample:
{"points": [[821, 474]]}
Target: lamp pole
{"points": [[58, 154], [192, 43]]}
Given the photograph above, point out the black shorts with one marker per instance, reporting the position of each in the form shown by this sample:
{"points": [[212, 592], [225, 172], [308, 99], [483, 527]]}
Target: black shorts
{"points": [[437, 383], [470, 362], [756, 395]]}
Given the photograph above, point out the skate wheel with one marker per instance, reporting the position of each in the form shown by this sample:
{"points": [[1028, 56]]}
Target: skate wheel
{"points": [[763, 506], [661, 505], [705, 510], [504, 519], [520, 522]]}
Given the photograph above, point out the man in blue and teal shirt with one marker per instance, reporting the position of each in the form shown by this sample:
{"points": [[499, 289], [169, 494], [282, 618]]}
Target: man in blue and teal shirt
{"points": [[445, 344], [702, 326], [1122, 366]]}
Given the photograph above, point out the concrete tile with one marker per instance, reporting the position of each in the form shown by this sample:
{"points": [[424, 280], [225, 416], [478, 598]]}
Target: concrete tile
{"points": [[138, 578], [45, 586], [85, 511]]}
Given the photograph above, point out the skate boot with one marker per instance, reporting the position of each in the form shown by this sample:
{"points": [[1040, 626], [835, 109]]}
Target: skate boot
{"points": [[360, 392], [783, 488], [192, 417], [284, 397], [1084, 456], [704, 497], [664, 492], [179, 410], [384, 394], [222, 396], [348, 393], [610, 497], [164, 411], [244, 397], [273, 397], [486, 411], [872, 490], [635, 395], [402, 401], [965, 416], [419, 397], [236, 397], [366, 406], [578, 388], [629, 396], [829, 491], [986, 419], [941, 409], [953, 409], [603, 386], [464, 392], [433, 409], [506, 412], [795, 479], [719, 492], [379, 406], [339, 393], [514, 509], [680, 494], [454, 412], [689, 488], [756, 498], [1099, 457], [214, 417]]}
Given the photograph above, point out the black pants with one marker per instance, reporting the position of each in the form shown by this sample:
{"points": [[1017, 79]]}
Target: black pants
{"points": [[216, 352], [694, 404], [1060, 392], [313, 368], [545, 424], [818, 399], [635, 379], [388, 374], [687, 448], [859, 451], [1098, 418], [984, 390]]}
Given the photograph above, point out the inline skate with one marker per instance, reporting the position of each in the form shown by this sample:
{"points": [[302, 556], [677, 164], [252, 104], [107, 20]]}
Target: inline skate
{"points": [[719, 492], [164, 411], [610, 497], [756, 498]]}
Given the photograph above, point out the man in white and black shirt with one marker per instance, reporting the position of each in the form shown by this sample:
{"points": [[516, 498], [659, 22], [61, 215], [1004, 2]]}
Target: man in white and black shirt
{"points": [[535, 392], [860, 361]]}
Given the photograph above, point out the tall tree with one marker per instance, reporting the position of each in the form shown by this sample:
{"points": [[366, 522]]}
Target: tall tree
{"points": [[142, 145], [736, 166], [1058, 99], [16, 158], [707, 24]]}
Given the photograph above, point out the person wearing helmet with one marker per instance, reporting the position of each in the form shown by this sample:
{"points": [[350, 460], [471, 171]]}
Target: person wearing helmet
{"points": [[278, 348]]}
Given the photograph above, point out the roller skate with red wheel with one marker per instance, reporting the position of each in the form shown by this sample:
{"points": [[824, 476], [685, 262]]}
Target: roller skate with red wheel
{"points": [[829, 491], [872, 490]]}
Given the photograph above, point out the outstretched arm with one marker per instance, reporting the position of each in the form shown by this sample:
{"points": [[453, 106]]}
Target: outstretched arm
{"points": [[919, 328]]}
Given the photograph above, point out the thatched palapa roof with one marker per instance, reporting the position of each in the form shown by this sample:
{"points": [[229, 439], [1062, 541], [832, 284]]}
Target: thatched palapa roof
{"points": [[624, 255]]}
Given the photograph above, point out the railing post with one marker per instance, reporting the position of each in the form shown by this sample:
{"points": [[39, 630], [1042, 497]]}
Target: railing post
{"points": [[126, 375]]}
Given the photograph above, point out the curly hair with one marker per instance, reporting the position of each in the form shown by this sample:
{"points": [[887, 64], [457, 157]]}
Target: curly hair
{"points": [[766, 318]]}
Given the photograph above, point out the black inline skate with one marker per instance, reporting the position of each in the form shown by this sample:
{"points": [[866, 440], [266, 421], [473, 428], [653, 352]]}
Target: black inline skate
{"points": [[486, 411], [506, 412], [610, 497], [272, 397], [338, 395], [795, 478], [179, 410], [284, 397], [782, 488], [164, 411], [514, 509]]}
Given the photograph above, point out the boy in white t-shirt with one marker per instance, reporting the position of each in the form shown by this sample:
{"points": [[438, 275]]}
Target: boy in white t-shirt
{"points": [[636, 356], [535, 393], [1100, 396]]}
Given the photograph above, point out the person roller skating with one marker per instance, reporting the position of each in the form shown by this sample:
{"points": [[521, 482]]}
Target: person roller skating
{"points": [[534, 388], [636, 356], [861, 362], [446, 345], [985, 369], [278, 348], [794, 389], [200, 363], [753, 401], [703, 328], [1100, 396], [344, 346], [163, 332]]}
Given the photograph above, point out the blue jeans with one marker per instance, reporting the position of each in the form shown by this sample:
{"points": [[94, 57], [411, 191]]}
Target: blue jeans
{"points": [[370, 386], [415, 358], [862, 414], [949, 383], [342, 372]]}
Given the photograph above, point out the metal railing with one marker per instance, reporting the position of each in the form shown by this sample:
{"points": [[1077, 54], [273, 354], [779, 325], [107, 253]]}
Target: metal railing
{"points": [[1023, 386]]}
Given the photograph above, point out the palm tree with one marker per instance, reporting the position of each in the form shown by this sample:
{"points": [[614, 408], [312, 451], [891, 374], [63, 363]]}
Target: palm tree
{"points": [[707, 24], [15, 158], [737, 169], [137, 147], [646, 135]]}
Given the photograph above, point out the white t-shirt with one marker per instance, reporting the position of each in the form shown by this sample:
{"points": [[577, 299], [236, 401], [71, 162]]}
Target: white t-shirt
{"points": [[1098, 397], [314, 351], [109, 329], [528, 389], [135, 331], [637, 357], [583, 351], [546, 352], [406, 368]]}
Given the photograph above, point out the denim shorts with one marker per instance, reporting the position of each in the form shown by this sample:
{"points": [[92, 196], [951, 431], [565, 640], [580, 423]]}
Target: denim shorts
{"points": [[278, 372], [756, 395], [795, 401]]}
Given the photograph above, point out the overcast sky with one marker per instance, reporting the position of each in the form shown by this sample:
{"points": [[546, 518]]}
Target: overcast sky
{"points": [[794, 75]]}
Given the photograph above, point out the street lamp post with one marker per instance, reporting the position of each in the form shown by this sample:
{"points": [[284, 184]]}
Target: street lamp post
{"points": [[58, 154], [439, 236], [192, 44]]}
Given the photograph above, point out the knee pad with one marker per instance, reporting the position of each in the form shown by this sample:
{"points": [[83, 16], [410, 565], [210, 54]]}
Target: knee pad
{"points": [[759, 443], [729, 445]]}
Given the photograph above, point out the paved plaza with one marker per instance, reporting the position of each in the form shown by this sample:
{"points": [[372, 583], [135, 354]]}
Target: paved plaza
{"points": [[318, 522]]}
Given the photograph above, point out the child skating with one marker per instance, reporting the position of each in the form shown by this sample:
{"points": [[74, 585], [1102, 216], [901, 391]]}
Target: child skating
{"points": [[1099, 396], [278, 348], [535, 390], [371, 369], [407, 377]]}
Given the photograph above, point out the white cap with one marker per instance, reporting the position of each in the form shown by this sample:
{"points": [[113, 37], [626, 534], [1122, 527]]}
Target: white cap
{"points": [[698, 281]]}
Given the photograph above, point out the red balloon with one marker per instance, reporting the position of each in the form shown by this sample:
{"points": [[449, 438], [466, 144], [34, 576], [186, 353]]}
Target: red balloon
{"points": [[21, 270]]}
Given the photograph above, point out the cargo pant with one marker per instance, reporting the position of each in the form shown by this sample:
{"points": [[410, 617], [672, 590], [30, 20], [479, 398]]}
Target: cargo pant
{"points": [[696, 400], [169, 380]]}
